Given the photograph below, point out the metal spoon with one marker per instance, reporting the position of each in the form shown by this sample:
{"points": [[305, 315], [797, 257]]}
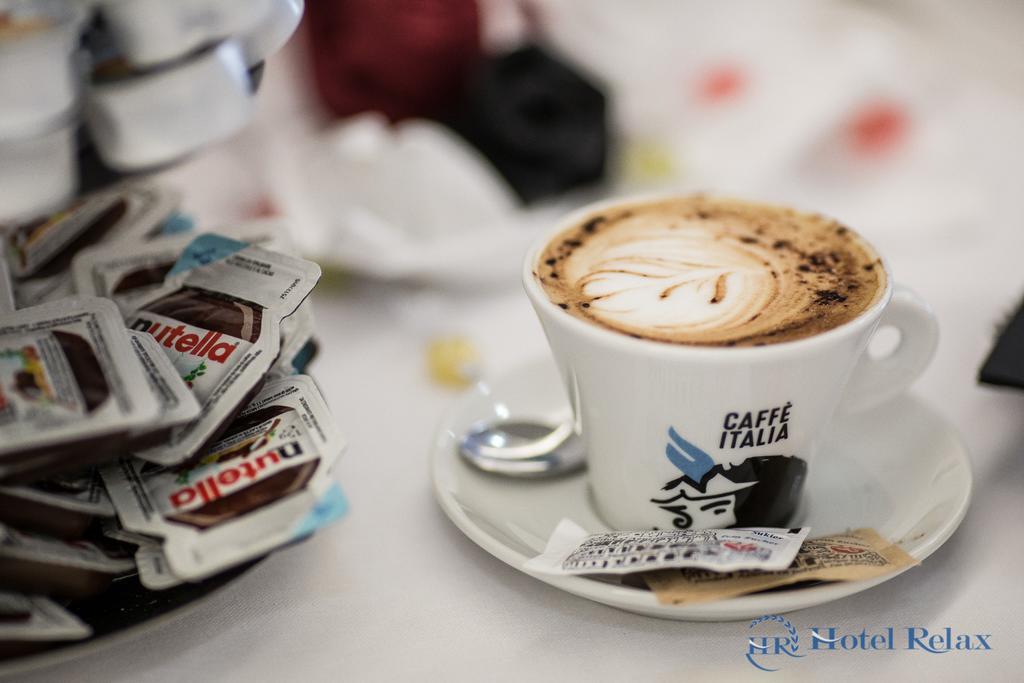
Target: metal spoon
{"points": [[522, 449]]}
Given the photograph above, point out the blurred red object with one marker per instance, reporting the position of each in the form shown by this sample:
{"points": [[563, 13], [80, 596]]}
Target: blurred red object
{"points": [[404, 58], [720, 83], [877, 128]]}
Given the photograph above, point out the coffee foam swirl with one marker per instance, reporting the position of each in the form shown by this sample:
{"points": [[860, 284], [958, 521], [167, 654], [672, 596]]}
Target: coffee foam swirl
{"points": [[711, 271]]}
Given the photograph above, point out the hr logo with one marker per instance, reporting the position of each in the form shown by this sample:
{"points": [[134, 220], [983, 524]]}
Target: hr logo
{"points": [[764, 651], [772, 645]]}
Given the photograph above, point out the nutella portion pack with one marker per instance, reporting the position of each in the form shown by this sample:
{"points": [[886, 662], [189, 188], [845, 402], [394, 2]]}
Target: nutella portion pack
{"points": [[265, 483], [71, 389], [178, 405], [298, 348], [218, 317], [127, 270], [150, 561], [32, 563], [6, 287], [64, 507], [112, 529], [40, 252], [155, 572], [29, 622]]}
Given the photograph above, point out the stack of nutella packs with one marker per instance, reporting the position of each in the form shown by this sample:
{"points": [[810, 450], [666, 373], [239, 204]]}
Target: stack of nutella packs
{"points": [[153, 414]]}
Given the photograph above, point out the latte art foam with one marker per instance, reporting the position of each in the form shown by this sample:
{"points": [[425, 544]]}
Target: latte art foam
{"points": [[711, 271]]}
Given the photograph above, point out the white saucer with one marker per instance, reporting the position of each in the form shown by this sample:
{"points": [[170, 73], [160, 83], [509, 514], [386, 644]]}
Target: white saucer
{"points": [[900, 468]]}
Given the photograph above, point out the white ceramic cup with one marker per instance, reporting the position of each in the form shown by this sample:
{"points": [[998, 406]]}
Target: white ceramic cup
{"points": [[701, 436]]}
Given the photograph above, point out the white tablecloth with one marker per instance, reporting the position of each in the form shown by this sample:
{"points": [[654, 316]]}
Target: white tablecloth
{"points": [[396, 592]]}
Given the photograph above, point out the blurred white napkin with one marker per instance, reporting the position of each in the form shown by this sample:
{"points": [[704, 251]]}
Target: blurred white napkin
{"points": [[409, 200]]}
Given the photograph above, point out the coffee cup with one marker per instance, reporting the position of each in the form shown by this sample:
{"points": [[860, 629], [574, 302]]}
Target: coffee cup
{"points": [[704, 345]]}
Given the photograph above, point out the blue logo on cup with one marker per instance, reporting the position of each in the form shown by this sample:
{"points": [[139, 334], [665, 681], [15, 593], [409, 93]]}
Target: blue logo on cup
{"points": [[691, 460], [704, 496], [761, 490]]}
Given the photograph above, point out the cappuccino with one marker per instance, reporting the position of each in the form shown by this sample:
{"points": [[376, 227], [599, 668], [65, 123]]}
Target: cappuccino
{"points": [[710, 271]]}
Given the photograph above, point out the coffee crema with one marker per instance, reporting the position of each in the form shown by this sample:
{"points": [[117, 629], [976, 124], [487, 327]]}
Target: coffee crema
{"points": [[711, 271]]}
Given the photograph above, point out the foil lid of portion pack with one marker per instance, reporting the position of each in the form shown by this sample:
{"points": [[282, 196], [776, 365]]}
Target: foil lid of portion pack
{"points": [[154, 572], [112, 529], [254, 490], [82, 492], [52, 552], [297, 345], [178, 405], [6, 287], [32, 618], [70, 386], [218, 317], [62, 506], [40, 252], [151, 562], [127, 270]]}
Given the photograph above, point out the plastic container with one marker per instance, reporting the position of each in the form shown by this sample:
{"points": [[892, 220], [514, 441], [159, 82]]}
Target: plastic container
{"points": [[38, 83], [152, 31], [148, 119], [273, 32], [38, 173]]}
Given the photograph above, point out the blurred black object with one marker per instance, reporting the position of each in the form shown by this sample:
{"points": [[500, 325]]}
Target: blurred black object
{"points": [[540, 123], [1005, 363]]}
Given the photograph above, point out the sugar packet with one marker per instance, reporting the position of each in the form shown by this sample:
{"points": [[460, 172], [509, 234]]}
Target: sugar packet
{"points": [[855, 556], [571, 551]]}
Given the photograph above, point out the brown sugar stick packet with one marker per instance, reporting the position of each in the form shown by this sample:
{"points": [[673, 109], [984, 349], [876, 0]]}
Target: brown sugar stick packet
{"points": [[855, 556]]}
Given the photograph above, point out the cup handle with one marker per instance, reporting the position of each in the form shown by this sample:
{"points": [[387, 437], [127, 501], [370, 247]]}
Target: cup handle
{"points": [[877, 380]]}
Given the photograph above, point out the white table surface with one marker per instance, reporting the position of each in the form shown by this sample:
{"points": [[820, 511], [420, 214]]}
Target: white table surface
{"points": [[395, 592]]}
